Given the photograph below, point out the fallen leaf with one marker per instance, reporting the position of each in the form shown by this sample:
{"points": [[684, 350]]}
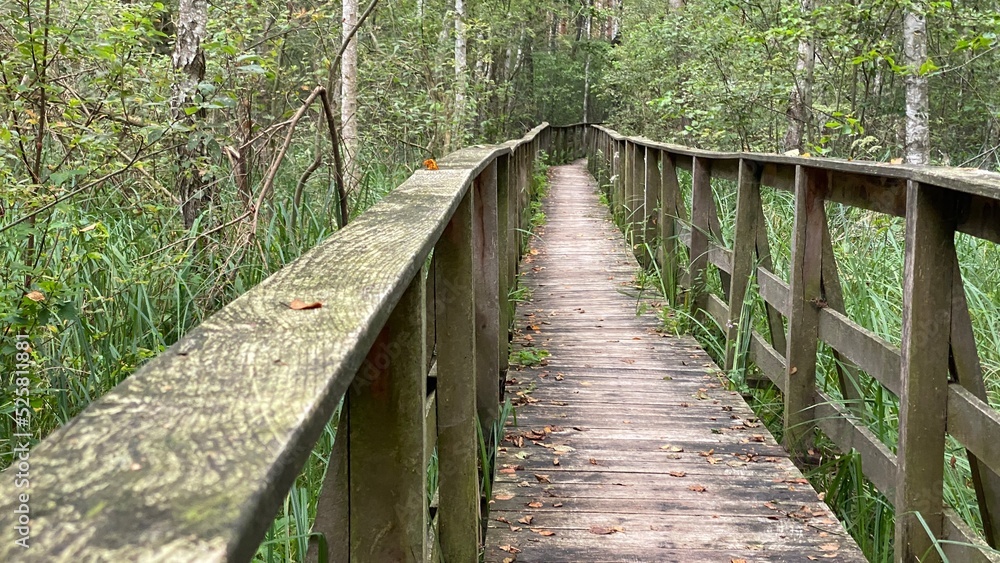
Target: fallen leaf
{"points": [[300, 305], [543, 532], [605, 530], [430, 164], [510, 549], [737, 560], [36, 296], [542, 478], [697, 488], [556, 504], [503, 496], [678, 474], [526, 519], [535, 504], [671, 448]]}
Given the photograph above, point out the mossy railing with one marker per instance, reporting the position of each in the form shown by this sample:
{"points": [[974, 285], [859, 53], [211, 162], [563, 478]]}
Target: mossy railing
{"points": [[403, 315]]}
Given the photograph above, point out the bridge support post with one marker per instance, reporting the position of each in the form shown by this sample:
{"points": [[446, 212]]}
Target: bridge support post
{"points": [[804, 302], [378, 475], [458, 489], [487, 282], [504, 262], [927, 299]]}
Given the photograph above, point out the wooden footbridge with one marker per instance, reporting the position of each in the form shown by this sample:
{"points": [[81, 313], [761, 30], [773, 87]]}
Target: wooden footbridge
{"points": [[628, 444]]}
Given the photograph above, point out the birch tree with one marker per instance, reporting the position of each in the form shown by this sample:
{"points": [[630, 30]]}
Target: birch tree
{"points": [[461, 70], [189, 60], [917, 148], [800, 97], [349, 96]]}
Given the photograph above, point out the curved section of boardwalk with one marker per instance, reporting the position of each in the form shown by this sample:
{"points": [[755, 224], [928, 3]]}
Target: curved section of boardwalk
{"points": [[627, 447]]}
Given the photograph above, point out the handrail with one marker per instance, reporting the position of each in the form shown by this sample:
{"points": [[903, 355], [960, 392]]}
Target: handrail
{"points": [[937, 338], [191, 457]]}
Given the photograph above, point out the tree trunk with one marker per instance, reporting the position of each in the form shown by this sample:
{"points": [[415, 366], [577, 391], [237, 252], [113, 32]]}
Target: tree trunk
{"points": [[349, 98], [800, 98], [917, 149], [189, 59], [461, 69]]}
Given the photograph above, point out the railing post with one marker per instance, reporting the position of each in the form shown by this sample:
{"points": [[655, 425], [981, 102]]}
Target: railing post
{"points": [[702, 202], [744, 243], [927, 296], [386, 451], [458, 515], [637, 197], [669, 198], [377, 477], [805, 300], [505, 252], [487, 280], [650, 193]]}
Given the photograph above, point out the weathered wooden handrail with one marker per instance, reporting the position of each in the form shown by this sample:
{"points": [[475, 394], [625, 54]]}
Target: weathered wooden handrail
{"points": [[190, 458], [937, 337]]}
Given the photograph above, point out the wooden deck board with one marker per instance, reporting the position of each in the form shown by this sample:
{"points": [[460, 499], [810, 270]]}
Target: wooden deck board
{"points": [[629, 431]]}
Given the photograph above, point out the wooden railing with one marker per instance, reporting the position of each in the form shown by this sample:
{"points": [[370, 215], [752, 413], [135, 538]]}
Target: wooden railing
{"points": [[936, 374], [403, 314]]}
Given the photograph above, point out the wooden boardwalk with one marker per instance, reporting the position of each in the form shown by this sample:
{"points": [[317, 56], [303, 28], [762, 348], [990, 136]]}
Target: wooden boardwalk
{"points": [[627, 446]]}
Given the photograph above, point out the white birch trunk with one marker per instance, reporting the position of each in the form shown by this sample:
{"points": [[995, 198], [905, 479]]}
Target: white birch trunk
{"points": [[800, 98], [189, 59], [349, 98], [917, 150], [461, 70]]}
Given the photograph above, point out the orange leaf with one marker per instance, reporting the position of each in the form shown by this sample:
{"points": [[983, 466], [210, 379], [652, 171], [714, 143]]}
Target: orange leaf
{"points": [[430, 164], [300, 305], [36, 296]]}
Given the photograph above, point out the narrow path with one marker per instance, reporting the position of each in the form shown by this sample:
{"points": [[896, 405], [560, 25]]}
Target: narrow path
{"points": [[627, 447]]}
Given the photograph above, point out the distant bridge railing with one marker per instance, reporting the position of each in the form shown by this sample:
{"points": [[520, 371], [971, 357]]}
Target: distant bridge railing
{"points": [[403, 314], [936, 374]]}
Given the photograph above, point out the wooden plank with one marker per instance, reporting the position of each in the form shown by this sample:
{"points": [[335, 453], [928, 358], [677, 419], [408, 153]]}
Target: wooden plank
{"points": [[863, 347], [965, 180], [456, 387], [963, 543], [924, 370], [773, 290], [768, 360], [385, 405], [877, 461], [973, 423], [487, 302], [598, 424], [804, 296]]}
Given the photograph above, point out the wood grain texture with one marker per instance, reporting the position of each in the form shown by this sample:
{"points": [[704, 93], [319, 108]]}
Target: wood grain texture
{"points": [[923, 397], [458, 479], [614, 403], [190, 458], [804, 299]]}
